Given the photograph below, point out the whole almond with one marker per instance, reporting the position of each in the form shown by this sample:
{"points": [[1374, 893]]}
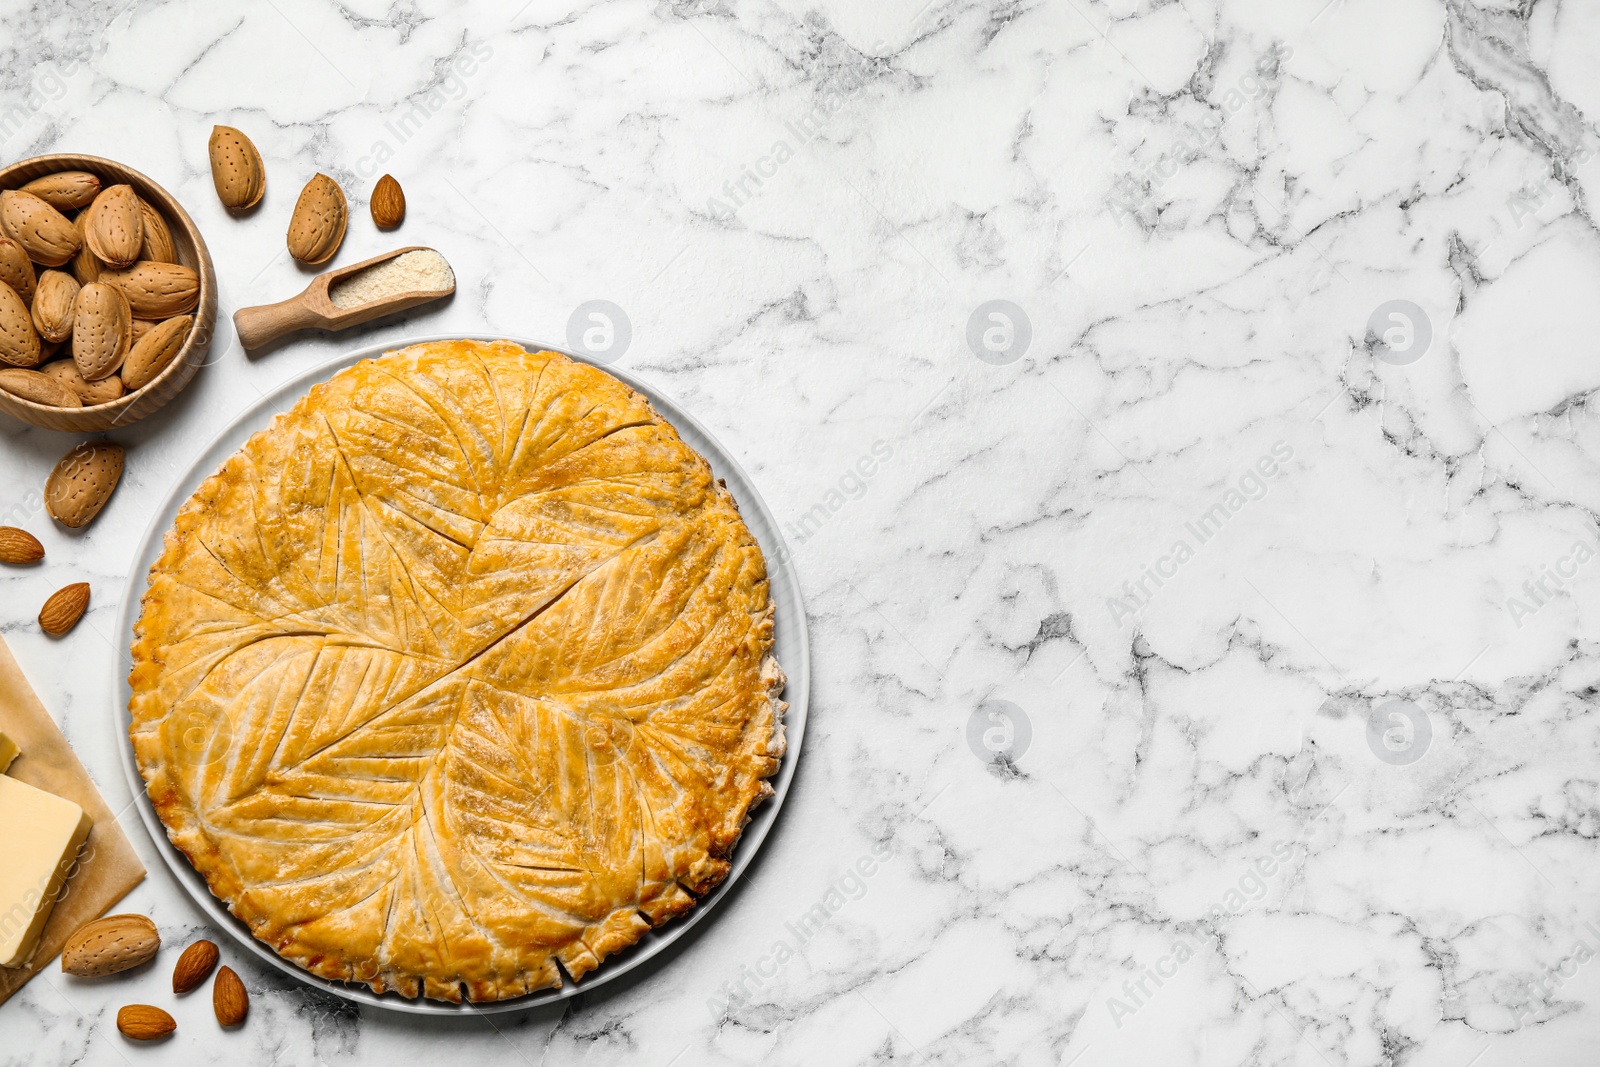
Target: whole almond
{"points": [[42, 231], [19, 342], [19, 546], [388, 203], [101, 392], [86, 267], [82, 482], [158, 244], [194, 966], [39, 388], [54, 304], [65, 190], [228, 998], [157, 290], [110, 944], [145, 1022], [102, 330], [59, 615], [16, 269], [236, 169], [317, 226], [115, 228], [157, 348]]}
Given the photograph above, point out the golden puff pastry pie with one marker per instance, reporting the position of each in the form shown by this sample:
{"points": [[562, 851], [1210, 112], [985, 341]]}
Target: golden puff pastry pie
{"points": [[460, 671]]}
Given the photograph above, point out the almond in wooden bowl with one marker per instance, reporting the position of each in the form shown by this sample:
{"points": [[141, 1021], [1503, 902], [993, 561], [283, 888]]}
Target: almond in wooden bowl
{"points": [[158, 246], [16, 269], [54, 304], [114, 229], [21, 385], [66, 190], [66, 372], [187, 249], [44, 233], [19, 340]]}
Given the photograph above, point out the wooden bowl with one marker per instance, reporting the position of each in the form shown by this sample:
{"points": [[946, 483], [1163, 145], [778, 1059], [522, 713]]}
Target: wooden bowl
{"points": [[192, 253]]}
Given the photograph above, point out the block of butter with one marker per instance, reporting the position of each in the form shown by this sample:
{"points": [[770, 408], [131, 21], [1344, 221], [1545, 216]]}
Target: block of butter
{"points": [[8, 752], [40, 835]]}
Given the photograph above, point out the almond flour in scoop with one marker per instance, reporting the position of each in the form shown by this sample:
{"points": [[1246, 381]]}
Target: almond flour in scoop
{"points": [[422, 271]]}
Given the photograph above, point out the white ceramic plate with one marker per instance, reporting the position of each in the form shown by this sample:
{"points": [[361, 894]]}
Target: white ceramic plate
{"points": [[791, 649]]}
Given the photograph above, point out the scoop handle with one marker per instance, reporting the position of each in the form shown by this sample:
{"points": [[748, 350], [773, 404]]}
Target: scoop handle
{"points": [[265, 323]]}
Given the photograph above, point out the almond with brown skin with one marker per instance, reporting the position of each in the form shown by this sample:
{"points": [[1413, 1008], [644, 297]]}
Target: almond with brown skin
{"points": [[57, 618], [102, 330], [157, 348], [158, 243], [83, 481], [19, 342], [236, 169], [145, 1022], [229, 998], [42, 231], [194, 966], [157, 290], [113, 943], [54, 304], [16, 269], [85, 266], [388, 203], [317, 226], [101, 392], [115, 229], [65, 190], [39, 388], [19, 546]]}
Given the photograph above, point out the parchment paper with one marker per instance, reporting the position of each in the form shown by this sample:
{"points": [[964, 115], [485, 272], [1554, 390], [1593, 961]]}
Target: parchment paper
{"points": [[108, 867]]}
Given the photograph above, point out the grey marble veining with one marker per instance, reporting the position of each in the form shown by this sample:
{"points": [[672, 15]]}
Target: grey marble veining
{"points": [[1180, 413]]}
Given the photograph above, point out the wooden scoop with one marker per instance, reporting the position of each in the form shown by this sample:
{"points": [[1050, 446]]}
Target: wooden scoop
{"points": [[315, 309]]}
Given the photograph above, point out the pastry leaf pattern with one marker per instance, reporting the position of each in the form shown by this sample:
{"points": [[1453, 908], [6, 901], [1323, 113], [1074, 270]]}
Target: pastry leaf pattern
{"points": [[459, 671]]}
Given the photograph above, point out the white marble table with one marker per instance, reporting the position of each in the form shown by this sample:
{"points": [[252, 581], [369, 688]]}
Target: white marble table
{"points": [[1255, 535]]}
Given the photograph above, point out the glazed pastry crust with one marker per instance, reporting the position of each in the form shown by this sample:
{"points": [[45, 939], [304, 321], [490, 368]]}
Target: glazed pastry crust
{"points": [[459, 675]]}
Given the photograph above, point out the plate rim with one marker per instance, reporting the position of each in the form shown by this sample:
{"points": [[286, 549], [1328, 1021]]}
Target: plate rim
{"points": [[782, 581]]}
